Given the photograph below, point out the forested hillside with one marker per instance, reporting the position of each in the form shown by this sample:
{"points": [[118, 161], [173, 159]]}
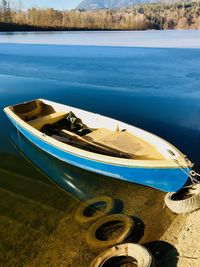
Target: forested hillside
{"points": [[140, 17]]}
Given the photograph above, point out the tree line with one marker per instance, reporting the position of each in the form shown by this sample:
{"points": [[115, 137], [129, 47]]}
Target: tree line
{"points": [[183, 15]]}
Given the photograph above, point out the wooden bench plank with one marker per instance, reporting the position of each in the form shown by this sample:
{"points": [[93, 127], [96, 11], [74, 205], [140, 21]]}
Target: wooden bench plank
{"points": [[48, 119]]}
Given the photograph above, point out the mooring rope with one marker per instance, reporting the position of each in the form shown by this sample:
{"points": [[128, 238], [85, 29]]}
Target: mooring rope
{"points": [[191, 173], [193, 176]]}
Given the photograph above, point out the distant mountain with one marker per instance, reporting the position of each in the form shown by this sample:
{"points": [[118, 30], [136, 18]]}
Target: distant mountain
{"points": [[99, 4]]}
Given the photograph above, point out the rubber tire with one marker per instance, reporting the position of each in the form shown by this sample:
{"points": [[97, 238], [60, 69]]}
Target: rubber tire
{"points": [[185, 205], [86, 221], [93, 241], [138, 252]]}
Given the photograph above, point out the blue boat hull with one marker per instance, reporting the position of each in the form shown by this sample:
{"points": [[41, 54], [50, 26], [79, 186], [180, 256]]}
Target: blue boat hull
{"points": [[165, 179]]}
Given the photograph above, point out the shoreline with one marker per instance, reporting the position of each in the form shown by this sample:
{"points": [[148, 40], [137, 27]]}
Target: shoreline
{"points": [[13, 27]]}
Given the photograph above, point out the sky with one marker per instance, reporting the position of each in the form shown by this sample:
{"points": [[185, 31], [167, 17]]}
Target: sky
{"points": [[56, 4]]}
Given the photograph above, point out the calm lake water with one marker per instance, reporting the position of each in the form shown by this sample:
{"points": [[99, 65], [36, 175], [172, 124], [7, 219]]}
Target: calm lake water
{"points": [[153, 88]]}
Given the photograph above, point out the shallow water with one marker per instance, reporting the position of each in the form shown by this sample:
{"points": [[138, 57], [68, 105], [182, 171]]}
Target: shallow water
{"points": [[154, 88]]}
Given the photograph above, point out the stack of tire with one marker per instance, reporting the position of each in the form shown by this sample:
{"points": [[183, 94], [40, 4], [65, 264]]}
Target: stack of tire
{"points": [[97, 215]]}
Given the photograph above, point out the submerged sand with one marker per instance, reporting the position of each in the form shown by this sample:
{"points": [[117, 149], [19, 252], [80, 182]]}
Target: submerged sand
{"points": [[182, 248], [37, 226]]}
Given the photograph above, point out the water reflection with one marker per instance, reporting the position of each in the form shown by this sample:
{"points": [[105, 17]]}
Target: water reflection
{"points": [[67, 177]]}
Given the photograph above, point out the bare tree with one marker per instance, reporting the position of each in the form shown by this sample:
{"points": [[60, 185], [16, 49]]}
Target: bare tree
{"points": [[5, 10], [145, 16]]}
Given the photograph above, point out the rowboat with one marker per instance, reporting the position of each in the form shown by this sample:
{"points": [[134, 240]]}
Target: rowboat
{"points": [[100, 144]]}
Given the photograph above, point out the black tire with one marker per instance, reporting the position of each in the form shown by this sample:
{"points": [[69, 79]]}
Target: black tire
{"points": [[185, 200], [88, 212], [100, 234], [124, 253]]}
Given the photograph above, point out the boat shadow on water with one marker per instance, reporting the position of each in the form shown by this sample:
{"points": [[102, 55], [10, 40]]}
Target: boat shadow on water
{"points": [[42, 216]]}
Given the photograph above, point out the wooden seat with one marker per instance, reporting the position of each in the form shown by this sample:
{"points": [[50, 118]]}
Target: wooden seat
{"points": [[48, 119]]}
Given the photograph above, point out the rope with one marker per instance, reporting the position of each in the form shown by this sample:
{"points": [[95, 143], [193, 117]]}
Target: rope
{"points": [[191, 174]]}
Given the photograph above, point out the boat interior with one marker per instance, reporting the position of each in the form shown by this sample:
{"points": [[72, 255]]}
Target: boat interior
{"points": [[72, 129]]}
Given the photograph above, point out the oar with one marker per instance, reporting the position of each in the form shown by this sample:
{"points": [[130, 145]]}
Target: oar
{"points": [[102, 148]]}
